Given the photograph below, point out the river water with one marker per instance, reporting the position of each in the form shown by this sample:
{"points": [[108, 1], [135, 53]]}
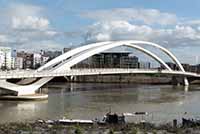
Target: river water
{"points": [[90, 100]]}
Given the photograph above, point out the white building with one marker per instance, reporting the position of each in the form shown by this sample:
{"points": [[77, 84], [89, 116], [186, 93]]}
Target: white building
{"points": [[37, 60], [5, 58]]}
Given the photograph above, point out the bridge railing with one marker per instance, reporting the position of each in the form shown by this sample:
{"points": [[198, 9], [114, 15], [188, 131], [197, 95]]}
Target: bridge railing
{"points": [[33, 73]]}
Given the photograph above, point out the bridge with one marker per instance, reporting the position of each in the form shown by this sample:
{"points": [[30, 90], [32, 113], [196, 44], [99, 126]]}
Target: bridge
{"points": [[92, 71], [61, 66]]}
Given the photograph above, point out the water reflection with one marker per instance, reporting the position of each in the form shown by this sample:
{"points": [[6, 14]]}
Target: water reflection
{"points": [[90, 100], [19, 111]]}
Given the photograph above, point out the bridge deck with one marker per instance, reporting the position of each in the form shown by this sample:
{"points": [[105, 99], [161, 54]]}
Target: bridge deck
{"points": [[77, 72]]}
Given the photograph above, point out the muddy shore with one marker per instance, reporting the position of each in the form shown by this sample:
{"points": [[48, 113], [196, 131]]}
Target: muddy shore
{"points": [[129, 128]]}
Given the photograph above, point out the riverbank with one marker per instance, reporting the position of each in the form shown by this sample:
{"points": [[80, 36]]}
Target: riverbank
{"points": [[127, 78], [119, 78], [130, 128]]}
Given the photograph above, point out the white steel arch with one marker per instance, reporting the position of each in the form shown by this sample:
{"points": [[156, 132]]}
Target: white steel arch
{"points": [[75, 56], [95, 45], [162, 49], [82, 56]]}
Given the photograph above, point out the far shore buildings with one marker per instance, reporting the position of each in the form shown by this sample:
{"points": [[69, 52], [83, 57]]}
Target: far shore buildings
{"points": [[18, 63], [51, 54], [27, 60], [6, 61], [111, 59], [187, 67], [144, 65]]}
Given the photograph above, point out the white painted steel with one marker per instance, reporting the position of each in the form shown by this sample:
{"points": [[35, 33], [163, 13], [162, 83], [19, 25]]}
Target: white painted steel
{"points": [[67, 60], [95, 71]]}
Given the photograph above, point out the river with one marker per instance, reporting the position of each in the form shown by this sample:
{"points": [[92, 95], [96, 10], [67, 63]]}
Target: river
{"points": [[90, 100]]}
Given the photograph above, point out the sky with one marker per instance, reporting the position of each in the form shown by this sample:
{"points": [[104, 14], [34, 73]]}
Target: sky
{"points": [[33, 25]]}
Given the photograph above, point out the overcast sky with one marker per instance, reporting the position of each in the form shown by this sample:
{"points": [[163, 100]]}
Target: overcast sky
{"points": [[53, 24]]}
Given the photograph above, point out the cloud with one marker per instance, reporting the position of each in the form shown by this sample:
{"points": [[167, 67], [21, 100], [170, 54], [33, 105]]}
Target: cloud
{"points": [[30, 17], [38, 45], [178, 35], [183, 40], [146, 16], [152, 25], [25, 16], [25, 24], [3, 38], [23, 10], [30, 22], [14, 11], [116, 30], [190, 22]]}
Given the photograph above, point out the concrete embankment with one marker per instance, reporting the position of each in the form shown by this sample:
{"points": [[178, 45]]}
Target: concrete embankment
{"points": [[125, 78]]}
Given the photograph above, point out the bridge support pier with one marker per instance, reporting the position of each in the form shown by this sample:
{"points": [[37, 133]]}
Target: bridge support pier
{"points": [[185, 80], [70, 78], [180, 81], [73, 78]]}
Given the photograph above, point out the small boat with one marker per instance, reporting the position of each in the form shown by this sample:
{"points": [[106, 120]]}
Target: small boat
{"points": [[74, 121], [135, 114], [66, 121], [190, 122], [112, 118]]}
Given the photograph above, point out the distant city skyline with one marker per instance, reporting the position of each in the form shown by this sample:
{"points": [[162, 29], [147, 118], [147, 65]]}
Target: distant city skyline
{"points": [[46, 24]]}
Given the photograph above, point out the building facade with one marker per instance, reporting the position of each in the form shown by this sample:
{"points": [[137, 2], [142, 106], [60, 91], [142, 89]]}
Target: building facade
{"points": [[51, 54], [18, 63], [27, 59], [109, 60], [5, 58], [37, 60]]}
